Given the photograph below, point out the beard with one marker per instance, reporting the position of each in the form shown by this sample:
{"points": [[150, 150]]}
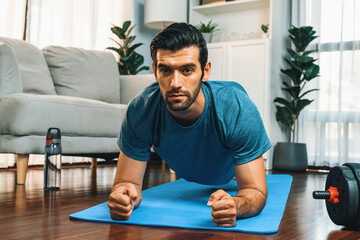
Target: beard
{"points": [[179, 105]]}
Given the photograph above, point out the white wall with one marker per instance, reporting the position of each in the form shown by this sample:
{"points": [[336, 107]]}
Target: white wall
{"points": [[143, 34], [280, 23]]}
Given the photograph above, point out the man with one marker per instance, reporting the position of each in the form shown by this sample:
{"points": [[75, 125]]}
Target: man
{"points": [[205, 131]]}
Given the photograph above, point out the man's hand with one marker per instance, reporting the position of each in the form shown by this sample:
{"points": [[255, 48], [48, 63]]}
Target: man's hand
{"points": [[123, 200], [223, 209]]}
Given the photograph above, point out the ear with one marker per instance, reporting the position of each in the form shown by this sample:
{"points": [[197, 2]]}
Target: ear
{"points": [[207, 70], [154, 70]]}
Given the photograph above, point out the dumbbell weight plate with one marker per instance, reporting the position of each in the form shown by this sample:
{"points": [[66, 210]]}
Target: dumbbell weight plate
{"points": [[355, 167], [343, 213]]}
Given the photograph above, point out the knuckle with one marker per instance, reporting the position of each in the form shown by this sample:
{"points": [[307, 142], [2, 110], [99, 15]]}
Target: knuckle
{"points": [[230, 204]]}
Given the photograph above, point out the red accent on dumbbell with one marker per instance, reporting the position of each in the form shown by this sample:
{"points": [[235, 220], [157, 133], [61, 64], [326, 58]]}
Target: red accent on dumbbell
{"points": [[334, 195]]}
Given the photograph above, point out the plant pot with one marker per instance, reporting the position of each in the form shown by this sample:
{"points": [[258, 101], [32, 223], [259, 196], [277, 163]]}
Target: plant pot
{"points": [[290, 157], [207, 37]]}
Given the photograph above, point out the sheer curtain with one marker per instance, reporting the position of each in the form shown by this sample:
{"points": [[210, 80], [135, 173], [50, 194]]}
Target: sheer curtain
{"points": [[12, 18], [75, 23], [331, 124]]}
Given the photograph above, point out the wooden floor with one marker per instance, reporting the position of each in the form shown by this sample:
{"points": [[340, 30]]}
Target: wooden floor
{"points": [[29, 212]]}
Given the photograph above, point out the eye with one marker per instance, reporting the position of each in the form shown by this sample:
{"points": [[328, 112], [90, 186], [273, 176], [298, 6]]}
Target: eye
{"points": [[164, 70], [187, 70]]}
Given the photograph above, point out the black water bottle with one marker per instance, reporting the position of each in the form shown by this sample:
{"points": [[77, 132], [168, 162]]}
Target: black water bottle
{"points": [[52, 166]]}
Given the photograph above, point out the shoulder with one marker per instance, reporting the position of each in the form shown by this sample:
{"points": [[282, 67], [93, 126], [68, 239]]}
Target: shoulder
{"points": [[228, 95], [145, 103]]}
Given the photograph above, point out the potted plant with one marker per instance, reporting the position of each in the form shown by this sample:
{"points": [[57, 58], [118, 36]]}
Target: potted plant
{"points": [[207, 30], [265, 28], [129, 60], [292, 156]]}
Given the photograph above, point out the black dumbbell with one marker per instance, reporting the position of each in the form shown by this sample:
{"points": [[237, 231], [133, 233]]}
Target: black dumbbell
{"points": [[343, 195]]}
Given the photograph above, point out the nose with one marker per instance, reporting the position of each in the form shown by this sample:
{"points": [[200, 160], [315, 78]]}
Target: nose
{"points": [[176, 81]]}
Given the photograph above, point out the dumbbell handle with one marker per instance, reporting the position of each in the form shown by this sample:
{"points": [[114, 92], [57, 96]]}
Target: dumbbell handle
{"points": [[332, 194], [321, 195]]}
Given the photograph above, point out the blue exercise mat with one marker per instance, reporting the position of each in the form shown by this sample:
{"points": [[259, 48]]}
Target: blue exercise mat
{"points": [[182, 204]]}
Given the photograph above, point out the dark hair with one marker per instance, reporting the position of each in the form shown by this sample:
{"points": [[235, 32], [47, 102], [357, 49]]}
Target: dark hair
{"points": [[178, 36]]}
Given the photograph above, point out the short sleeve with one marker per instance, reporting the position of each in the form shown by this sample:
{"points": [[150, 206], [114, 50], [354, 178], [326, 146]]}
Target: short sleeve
{"points": [[245, 135], [134, 134]]}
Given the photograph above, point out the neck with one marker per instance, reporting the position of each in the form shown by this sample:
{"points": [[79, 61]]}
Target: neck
{"points": [[189, 116]]}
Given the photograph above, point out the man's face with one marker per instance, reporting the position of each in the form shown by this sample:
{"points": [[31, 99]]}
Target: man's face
{"points": [[179, 76]]}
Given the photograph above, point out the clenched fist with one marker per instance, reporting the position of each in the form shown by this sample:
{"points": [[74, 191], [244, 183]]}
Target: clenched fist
{"points": [[123, 200], [223, 209]]}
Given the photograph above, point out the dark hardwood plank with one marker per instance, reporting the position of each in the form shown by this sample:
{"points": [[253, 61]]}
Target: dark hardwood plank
{"points": [[29, 212]]}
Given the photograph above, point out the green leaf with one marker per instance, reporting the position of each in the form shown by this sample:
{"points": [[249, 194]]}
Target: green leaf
{"points": [[284, 116], [294, 91], [128, 41], [293, 64], [302, 95], [292, 53], [311, 72], [306, 53], [116, 30], [207, 28], [294, 75], [304, 59], [126, 25], [300, 105], [264, 28], [286, 84], [129, 31], [285, 102], [301, 37], [122, 70], [142, 69], [112, 48], [120, 45], [133, 47]]}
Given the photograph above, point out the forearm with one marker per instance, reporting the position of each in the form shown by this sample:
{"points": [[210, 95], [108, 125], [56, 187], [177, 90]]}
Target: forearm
{"points": [[129, 173], [249, 202]]}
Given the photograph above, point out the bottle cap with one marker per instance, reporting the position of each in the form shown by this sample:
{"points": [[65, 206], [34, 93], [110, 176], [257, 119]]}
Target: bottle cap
{"points": [[53, 136]]}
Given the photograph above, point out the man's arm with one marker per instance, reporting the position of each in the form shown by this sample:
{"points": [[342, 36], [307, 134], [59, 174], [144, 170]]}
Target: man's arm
{"points": [[249, 200], [126, 193]]}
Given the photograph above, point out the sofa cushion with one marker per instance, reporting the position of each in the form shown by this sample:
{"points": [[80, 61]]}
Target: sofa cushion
{"points": [[71, 145], [34, 72], [131, 85], [10, 80], [28, 114], [84, 73]]}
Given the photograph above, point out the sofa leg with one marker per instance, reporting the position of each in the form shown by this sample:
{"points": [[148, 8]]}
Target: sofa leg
{"points": [[21, 167], [93, 162]]}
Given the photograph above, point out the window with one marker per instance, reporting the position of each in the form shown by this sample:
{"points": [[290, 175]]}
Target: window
{"points": [[332, 121]]}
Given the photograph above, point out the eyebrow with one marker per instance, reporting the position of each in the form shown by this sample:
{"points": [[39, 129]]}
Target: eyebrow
{"points": [[192, 65]]}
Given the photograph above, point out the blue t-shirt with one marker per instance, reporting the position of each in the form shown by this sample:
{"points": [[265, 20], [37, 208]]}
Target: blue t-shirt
{"points": [[229, 131]]}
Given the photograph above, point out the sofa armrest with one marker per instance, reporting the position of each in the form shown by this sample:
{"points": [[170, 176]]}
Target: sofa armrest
{"points": [[10, 78], [131, 85]]}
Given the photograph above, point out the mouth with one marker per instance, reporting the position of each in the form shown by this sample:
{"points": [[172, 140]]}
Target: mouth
{"points": [[176, 96]]}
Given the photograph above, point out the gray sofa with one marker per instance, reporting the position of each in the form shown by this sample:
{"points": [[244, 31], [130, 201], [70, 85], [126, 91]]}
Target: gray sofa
{"points": [[76, 90]]}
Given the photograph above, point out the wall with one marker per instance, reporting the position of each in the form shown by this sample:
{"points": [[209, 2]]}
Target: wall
{"points": [[280, 23], [143, 34]]}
